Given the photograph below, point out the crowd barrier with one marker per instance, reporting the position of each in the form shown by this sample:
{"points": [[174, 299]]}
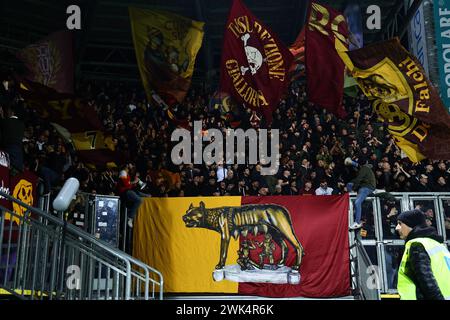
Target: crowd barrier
{"points": [[43, 256], [103, 216], [378, 235]]}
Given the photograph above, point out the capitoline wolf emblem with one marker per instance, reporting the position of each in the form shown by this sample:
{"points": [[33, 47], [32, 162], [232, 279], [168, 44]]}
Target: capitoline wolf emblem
{"points": [[274, 221]]}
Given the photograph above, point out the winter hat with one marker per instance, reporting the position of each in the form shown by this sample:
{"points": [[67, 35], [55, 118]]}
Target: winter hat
{"points": [[412, 218]]}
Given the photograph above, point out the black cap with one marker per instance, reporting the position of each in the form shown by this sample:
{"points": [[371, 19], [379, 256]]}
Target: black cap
{"points": [[412, 218]]}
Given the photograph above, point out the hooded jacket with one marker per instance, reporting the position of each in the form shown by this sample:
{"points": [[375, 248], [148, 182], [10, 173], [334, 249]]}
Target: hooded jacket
{"points": [[365, 178], [418, 266]]}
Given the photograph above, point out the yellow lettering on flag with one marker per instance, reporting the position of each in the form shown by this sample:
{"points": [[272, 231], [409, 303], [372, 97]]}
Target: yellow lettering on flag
{"points": [[386, 84]]}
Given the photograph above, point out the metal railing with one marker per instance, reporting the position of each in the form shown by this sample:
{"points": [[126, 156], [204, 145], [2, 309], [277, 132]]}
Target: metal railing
{"points": [[381, 243], [86, 220], [43, 257], [367, 275]]}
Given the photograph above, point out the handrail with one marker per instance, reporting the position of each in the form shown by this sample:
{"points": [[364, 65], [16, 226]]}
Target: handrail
{"points": [[364, 256], [102, 244], [75, 230], [415, 194], [104, 247]]}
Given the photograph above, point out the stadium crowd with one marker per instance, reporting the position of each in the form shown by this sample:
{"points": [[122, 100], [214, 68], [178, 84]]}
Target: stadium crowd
{"points": [[313, 146]]}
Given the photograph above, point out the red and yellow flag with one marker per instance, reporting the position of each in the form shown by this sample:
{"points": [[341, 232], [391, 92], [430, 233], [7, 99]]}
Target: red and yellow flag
{"points": [[255, 63], [22, 186], [324, 68], [402, 97], [262, 246], [74, 119]]}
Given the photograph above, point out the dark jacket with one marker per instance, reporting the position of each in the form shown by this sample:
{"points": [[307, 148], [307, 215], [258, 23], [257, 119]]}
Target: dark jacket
{"points": [[366, 178], [418, 266], [439, 188], [11, 132], [385, 181], [11, 135], [418, 187]]}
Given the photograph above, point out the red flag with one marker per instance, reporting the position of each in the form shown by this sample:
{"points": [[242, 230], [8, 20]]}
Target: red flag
{"points": [[254, 62], [298, 51], [324, 68], [298, 47], [67, 110], [50, 61]]}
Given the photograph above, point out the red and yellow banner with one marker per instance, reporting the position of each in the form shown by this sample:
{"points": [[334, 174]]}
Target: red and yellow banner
{"points": [[325, 25], [22, 186], [255, 63], [74, 119], [262, 246]]}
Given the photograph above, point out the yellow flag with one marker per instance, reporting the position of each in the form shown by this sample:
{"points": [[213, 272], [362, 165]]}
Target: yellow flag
{"points": [[162, 240], [409, 149], [166, 45]]}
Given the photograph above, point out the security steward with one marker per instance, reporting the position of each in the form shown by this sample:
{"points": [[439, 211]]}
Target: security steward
{"points": [[424, 272]]}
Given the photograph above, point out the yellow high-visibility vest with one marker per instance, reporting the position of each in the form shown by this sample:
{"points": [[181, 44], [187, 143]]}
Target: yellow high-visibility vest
{"points": [[440, 266]]}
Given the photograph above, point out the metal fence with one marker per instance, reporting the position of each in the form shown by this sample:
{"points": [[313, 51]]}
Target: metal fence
{"points": [[44, 257], [383, 246], [366, 275], [85, 215]]}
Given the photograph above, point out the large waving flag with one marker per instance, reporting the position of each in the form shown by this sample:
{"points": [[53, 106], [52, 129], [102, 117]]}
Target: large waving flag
{"points": [[262, 246], [403, 97], [74, 120], [50, 61], [166, 45], [324, 69], [255, 63]]}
